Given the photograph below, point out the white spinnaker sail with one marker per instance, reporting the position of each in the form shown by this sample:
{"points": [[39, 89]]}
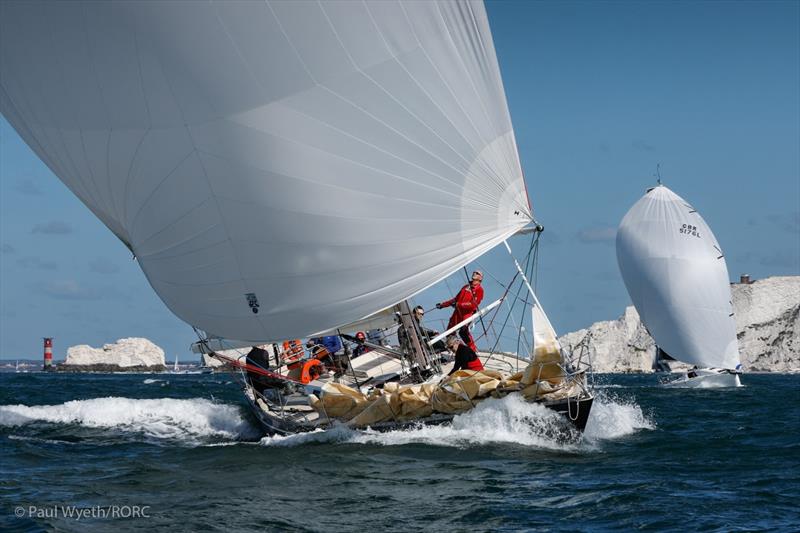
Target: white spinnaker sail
{"points": [[314, 161], [676, 276]]}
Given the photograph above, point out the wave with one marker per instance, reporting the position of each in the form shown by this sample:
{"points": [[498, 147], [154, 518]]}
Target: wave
{"points": [[510, 420], [163, 418], [613, 417]]}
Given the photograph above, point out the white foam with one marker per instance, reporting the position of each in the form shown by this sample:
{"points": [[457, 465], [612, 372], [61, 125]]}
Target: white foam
{"points": [[510, 420], [337, 433], [162, 418], [613, 418], [507, 420]]}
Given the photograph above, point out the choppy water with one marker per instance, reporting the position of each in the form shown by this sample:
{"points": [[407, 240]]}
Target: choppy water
{"points": [[184, 449]]}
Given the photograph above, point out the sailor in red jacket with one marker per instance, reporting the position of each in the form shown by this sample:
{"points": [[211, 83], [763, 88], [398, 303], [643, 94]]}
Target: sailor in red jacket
{"points": [[466, 303], [466, 358]]}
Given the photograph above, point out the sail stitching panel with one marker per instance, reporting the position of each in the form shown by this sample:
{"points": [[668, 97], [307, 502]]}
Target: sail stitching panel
{"points": [[419, 85], [477, 206], [343, 158], [225, 227], [386, 91], [288, 40], [191, 211], [458, 100], [77, 175], [208, 181], [389, 127], [238, 50], [155, 189]]}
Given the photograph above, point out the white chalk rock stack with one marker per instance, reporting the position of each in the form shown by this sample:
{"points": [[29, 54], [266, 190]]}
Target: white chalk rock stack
{"points": [[123, 355]]}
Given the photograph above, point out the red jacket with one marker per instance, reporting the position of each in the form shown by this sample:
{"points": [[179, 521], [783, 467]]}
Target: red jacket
{"points": [[466, 303]]}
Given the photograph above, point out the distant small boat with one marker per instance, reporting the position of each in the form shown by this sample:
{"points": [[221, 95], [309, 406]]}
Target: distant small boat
{"points": [[675, 273]]}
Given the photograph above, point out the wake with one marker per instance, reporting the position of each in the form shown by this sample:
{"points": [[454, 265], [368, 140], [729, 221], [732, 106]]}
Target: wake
{"points": [[510, 420], [192, 420]]}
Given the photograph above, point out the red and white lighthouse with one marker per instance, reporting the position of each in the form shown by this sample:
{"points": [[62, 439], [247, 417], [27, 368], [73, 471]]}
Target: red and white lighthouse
{"points": [[48, 353]]}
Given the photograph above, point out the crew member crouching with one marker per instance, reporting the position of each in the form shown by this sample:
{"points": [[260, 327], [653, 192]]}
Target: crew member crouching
{"points": [[466, 358]]}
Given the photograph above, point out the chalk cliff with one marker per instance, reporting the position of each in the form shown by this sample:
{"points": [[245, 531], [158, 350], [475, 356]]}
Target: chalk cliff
{"points": [[767, 314]]}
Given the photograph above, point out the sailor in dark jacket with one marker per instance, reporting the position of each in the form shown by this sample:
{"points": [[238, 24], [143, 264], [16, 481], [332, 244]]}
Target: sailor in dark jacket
{"points": [[427, 333], [466, 359]]}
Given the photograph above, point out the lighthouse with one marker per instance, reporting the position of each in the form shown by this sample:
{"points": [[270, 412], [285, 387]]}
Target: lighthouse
{"points": [[48, 353]]}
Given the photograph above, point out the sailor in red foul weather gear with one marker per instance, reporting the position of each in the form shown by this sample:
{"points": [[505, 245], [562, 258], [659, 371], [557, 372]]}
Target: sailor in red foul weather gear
{"points": [[466, 358], [466, 303]]}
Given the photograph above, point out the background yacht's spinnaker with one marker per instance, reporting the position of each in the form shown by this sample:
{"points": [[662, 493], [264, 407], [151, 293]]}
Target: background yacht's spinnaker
{"points": [[278, 168], [676, 275]]}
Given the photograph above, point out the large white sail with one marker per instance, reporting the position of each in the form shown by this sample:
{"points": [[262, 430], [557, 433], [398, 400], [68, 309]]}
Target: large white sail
{"points": [[676, 276], [278, 168]]}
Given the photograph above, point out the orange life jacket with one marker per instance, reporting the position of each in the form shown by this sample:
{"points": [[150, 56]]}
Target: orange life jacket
{"points": [[305, 374], [292, 350]]}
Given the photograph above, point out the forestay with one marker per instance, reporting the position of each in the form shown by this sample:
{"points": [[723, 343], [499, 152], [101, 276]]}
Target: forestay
{"points": [[676, 275], [277, 168]]}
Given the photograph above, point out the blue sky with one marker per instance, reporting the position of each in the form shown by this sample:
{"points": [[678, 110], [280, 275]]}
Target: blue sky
{"points": [[599, 93]]}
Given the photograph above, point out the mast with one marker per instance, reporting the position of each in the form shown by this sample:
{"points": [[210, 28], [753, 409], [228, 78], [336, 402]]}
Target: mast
{"points": [[419, 353]]}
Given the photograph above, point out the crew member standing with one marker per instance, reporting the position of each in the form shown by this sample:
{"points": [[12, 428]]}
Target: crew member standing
{"points": [[466, 303]]}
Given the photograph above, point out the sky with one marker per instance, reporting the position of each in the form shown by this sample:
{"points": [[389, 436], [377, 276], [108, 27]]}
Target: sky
{"points": [[599, 94]]}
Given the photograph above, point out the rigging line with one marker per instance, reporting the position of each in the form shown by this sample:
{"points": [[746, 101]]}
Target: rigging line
{"points": [[466, 273], [525, 304], [511, 309], [536, 262], [505, 322], [494, 315], [494, 278], [349, 361], [517, 330]]}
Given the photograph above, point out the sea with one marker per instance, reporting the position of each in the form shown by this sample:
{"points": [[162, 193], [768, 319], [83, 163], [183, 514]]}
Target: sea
{"points": [[181, 452]]}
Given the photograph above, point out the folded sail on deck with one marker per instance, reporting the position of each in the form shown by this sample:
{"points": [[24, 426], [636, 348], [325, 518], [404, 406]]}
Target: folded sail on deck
{"points": [[278, 168], [677, 278]]}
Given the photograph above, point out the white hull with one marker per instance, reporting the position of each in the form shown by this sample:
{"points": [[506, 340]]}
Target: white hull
{"points": [[705, 378]]}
